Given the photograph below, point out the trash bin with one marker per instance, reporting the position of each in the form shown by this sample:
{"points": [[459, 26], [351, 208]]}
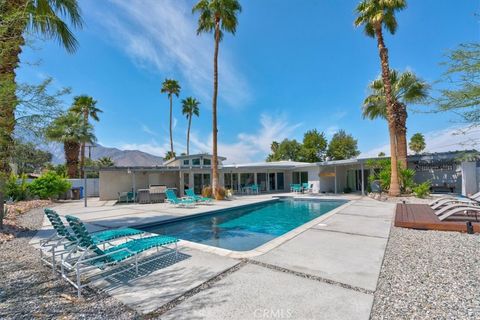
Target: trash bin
{"points": [[76, 193], [81, 192]]}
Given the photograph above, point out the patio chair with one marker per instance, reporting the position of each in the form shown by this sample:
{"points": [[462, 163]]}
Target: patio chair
{"points": [[89, 257], [297, 188], [459, 210], [447, 208], [475, 197], [448, 202], [255, 188], [179, 202], [190, 193], [63, 238], [307, 187]]}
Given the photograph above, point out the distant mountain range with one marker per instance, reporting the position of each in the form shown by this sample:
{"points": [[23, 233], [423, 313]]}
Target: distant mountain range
{"points": [[120, 157]]}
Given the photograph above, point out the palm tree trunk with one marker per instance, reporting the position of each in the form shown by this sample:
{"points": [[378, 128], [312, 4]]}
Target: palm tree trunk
{"points": [[383, 51], [401, 130], [171, 119], [11, 42], [214, 109], [188, 134], [82, 150], [71, 157]]}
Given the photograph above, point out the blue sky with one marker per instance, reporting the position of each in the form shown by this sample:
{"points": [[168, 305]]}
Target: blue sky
{"points": [[292, 66]]}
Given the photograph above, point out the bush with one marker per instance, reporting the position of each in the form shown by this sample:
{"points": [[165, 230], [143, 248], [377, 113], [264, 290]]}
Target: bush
{"points": [[17, 191], [207, 192], [220, 194], [407, 179], [422, 190], [49, 185]]}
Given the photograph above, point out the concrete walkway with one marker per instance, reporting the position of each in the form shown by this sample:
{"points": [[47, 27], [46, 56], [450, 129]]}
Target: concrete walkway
{"points": [[329, 271]]}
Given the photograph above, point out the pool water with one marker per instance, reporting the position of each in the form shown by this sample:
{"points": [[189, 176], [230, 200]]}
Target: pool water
{"points": [[245, 228]]}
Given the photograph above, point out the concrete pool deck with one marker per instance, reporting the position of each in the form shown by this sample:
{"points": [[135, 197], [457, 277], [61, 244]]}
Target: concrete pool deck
{"points": [[328, 271]]}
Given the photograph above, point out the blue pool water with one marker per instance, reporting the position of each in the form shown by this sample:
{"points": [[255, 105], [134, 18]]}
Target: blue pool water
{"points": [[246, 228]]}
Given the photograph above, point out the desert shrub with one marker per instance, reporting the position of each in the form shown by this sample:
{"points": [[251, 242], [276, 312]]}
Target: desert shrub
{"points": [[221, 192], [207, 192], [422, 190], [383, 172], [407, 179], [15, 190], [49, 185]]}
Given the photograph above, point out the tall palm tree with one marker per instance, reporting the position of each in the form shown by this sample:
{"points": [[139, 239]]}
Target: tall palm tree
{"points": [[216, 16], [85, 106], [70, 130], [190, 108], [171, 87], [407, 88], [375, 15], [41, 17]]}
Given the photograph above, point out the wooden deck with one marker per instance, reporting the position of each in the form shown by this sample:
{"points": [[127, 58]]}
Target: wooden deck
{"points": [[421, 216]]}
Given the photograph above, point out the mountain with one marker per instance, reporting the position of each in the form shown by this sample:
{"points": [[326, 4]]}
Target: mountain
{"points": [[120, 157]]}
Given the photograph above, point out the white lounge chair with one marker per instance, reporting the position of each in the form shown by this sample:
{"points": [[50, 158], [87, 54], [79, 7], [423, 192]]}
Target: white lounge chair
{"points": [[458, 201], [441, 211], [457, 210], [475, 197]]}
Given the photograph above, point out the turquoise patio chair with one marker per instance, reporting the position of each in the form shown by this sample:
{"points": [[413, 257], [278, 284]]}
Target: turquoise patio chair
{"points": [[296, 188], [306, 187], [89, 256], [255, 188], [183, 202], [191, 194], [63, 237]]}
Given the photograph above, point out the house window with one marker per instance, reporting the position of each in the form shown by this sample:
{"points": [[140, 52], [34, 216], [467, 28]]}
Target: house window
{"points": [[207, 162], [186, 162], [196, 162]]}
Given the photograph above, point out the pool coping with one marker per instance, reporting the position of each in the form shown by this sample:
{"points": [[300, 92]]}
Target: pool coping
{"points": [[266, 247]]}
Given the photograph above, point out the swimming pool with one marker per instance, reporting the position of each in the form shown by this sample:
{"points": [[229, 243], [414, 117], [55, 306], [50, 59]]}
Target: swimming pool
{"points": [[247, 227]]}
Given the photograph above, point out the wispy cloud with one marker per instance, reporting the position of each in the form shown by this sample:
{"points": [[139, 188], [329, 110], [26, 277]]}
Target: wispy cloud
{"points": [[162, 35], [331, 130], [251, 146], [449, 139], [147, 129], [248, 146]]}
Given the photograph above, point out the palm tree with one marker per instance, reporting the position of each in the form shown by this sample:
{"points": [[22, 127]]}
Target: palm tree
{"points": [[216, 16], [70, 130], [85, 106], [374, 15], [190, 108], [17, 16], [406, 88], [105, 162], [171, 87], [42, 17]]}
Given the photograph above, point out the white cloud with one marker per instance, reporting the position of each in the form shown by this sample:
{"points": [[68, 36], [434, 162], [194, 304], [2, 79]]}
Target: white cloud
{"points": [[147, 129], [449, 139], [162, 35], [331, 130], [250, 146]]}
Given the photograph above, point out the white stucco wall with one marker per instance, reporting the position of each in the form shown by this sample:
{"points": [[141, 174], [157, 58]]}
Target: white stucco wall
{"points": [[469, 178]]}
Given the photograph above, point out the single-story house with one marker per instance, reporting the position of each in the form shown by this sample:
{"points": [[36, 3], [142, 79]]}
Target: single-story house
{"points": [[445, 171]]}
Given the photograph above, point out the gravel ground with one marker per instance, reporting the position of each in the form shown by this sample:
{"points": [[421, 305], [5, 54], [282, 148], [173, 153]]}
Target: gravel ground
{"points": [[29, 290], [429, 275]]}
